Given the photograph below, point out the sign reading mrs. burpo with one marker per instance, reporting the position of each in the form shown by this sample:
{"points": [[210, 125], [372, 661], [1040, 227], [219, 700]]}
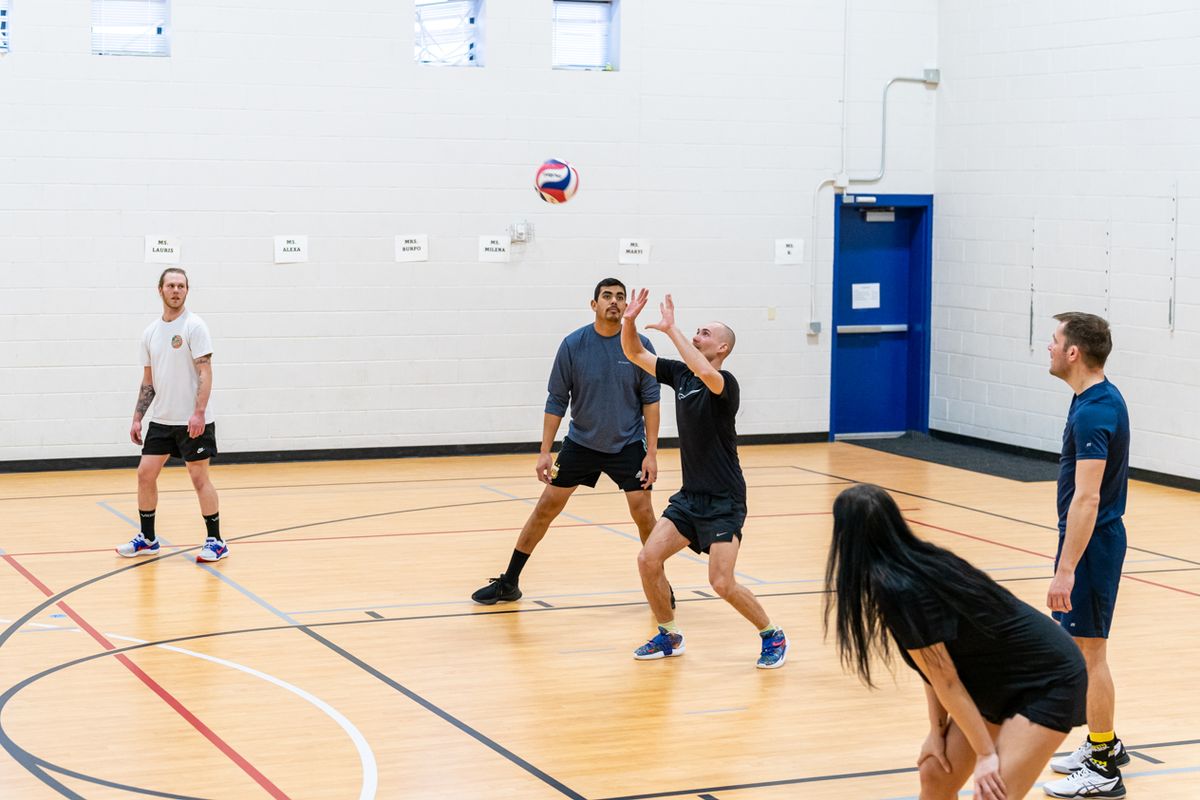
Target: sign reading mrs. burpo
{"points": [[412, 247], [291, 249], [494, 248], [162, 250]]}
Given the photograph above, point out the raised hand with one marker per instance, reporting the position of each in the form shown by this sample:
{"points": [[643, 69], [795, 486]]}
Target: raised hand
{"points": [[667, 309], [637, 301]]}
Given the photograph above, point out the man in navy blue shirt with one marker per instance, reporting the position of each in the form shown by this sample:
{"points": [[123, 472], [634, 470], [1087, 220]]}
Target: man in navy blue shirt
{"points": [[613, 429], [1093, 477], [708, 511]]}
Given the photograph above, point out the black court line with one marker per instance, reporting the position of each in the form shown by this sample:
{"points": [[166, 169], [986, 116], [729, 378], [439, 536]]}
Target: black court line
{"points": [[1144, 757], [987, 513], [374, 614], [491, 744], [110, 784], [543, 604], [708, 797], [705, 595]]}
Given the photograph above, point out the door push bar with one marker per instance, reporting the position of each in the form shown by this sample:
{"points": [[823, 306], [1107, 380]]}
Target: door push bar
{"points": [[872, 328]]}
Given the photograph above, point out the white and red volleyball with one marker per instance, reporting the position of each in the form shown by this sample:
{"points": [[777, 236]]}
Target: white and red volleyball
{"points": [[556, 181]]}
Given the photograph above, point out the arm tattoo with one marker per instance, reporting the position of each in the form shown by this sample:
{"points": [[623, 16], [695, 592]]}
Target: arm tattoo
{"points": [[204, 360], [144, 399]]}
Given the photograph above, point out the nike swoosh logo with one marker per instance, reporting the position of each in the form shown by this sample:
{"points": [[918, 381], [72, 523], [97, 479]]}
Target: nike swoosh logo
{"points": [[689, 394]]}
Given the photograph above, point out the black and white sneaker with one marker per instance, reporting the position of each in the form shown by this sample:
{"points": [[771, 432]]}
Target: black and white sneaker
{"points": [[498, 590], [1065, 765], [1087, 781]]}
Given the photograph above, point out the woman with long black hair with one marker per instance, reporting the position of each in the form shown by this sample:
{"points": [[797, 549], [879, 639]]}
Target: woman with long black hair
{"points": [[1004, 684]]}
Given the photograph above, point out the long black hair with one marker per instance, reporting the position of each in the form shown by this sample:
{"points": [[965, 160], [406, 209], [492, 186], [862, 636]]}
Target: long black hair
{"points": [[873, 558]]}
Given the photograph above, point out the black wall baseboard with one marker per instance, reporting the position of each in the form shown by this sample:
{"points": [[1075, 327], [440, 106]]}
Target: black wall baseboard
{"points": [[361, 453], [1135, 473]]}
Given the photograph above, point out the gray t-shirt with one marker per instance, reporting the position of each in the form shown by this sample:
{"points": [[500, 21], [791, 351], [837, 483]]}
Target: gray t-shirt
{"points": [[604, 389]]}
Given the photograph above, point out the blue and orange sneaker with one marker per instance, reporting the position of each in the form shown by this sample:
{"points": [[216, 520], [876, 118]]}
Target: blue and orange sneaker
{"points": [[138, 546], [774, 649], [663, 645], [213, 550]]}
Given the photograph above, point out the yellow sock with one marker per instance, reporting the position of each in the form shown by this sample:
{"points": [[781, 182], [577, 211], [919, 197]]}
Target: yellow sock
{"points": [[770, 627], [671, 627], [1101, 738]]}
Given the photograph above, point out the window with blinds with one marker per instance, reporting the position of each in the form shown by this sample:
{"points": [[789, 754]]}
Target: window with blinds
{"points": [[5, 7], [585, 34], [447, 33], [131, 27]]}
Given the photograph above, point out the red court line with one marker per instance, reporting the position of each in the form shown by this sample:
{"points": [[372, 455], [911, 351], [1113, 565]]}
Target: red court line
{"points": [[1124, 575], [155, 687], [409, 533]]}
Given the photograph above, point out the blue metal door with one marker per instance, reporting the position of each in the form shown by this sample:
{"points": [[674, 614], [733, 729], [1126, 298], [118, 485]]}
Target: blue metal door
{"points": [[882, 269]]}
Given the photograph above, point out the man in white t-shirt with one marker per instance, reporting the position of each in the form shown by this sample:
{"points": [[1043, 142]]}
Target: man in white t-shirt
{"points": [[176, 380]]}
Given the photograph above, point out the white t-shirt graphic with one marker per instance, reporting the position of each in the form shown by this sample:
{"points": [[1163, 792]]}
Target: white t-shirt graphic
{"points": [[169, 349]]}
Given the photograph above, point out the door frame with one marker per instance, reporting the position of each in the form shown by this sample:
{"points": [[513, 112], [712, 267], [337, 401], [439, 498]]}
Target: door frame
{"points": [[920, 296]]}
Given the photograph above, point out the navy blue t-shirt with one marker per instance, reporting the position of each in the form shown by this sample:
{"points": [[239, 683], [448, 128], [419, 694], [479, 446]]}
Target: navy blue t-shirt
{"points": [[1097, 429], [707, 434], [604, 390]]}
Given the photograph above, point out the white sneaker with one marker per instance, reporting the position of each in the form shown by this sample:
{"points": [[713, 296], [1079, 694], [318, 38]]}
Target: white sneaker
{"points": [[213, 550], [138, 546], [1065, 765], [1086, 782]]}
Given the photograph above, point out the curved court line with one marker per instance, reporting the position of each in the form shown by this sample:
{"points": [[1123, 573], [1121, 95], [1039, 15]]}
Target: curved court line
{"points": [[370, 769]]}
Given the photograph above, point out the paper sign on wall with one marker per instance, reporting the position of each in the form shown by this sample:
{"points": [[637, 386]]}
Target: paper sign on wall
{"points": [[162, 250], [494, 248], [864, 295], [412, 247], [634, 251], [291, 249], [789, 251]]}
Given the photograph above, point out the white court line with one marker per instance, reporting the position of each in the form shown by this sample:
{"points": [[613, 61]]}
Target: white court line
{"points": [[370, 769]]}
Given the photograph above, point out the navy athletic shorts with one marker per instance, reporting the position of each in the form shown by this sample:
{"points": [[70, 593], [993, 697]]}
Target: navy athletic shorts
{"points": [[1097, 577]]}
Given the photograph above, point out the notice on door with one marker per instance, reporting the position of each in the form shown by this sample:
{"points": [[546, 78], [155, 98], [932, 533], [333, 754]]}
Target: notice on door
{"points": [[864, 295]]}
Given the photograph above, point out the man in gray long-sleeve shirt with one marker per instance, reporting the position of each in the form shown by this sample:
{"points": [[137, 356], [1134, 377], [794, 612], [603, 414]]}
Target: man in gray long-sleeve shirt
{"points": [[613, 429]]}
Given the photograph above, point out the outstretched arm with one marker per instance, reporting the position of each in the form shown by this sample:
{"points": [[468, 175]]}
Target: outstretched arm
{"points": [[635, 351], [696, 362]]}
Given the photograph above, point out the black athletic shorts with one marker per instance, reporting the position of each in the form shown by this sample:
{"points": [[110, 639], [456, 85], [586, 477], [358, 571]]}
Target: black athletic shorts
{"points": [[705, 518], [1060, 707], [577, 465], [173, 440]]}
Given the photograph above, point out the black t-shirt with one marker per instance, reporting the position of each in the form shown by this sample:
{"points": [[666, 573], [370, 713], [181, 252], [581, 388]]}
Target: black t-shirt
{"points": [[707, 436], [1005, 653]]}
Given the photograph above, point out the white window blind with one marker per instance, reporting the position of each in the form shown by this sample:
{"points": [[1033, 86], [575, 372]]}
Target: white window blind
{"points": [[447, 32], [5, 8], [583, 34], [131, 27]]}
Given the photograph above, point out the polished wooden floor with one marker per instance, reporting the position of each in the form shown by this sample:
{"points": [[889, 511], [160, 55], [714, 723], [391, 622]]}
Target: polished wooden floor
{"points": [[335, 654]]}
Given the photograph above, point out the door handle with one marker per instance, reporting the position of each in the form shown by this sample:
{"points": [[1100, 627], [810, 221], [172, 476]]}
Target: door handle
{"points": [[872, 328]]}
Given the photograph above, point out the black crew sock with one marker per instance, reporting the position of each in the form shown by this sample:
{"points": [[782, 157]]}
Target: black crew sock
{"points": [[148, 524], [515, 565], [213, 523]]}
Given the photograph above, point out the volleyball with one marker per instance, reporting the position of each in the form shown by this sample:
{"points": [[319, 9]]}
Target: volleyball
{"points": [[556, 181]]}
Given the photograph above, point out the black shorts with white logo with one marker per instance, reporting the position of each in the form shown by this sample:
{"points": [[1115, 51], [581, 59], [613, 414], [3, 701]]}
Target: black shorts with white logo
{"points": [[577, 465], [705, 519], [173, 440]]}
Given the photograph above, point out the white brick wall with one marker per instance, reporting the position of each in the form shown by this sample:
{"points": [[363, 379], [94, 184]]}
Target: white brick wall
{"points": [[309, 117], [1062, 132]]}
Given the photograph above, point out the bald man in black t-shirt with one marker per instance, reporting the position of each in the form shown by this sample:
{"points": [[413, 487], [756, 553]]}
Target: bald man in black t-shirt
{"points": [[708, 512]]}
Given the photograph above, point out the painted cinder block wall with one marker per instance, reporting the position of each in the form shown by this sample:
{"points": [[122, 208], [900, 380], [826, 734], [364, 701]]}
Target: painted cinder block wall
{"points": [[311, 118]]}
